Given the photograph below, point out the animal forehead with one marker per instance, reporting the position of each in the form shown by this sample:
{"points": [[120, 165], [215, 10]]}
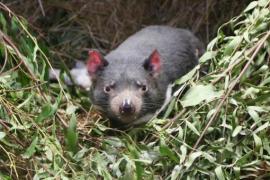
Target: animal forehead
{"points": [[123, 75], [125, 81]]}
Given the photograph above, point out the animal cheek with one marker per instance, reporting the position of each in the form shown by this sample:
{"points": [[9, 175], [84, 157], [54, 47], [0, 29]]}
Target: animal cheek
{"points": [[137, 101], [114, 103], [112, 94]]}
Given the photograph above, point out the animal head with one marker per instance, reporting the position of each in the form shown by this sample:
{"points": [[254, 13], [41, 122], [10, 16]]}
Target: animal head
{"points": [[124, 92]]}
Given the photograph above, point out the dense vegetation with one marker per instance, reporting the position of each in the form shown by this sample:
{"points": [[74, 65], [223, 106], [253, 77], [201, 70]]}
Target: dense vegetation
{"points": [[215, 127]]}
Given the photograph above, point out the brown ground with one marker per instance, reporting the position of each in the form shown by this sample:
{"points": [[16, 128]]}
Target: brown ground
{"points": [[70, 27]]}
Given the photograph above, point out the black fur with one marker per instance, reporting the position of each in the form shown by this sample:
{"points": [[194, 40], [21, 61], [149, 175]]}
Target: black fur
{"points": [[126, 65]]}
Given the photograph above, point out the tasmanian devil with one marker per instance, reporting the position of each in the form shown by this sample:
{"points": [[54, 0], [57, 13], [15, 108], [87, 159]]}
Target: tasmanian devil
{"points": [[132, 82]]}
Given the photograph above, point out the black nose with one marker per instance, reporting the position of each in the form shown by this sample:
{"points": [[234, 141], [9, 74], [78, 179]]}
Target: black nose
{"points": [[127, 108]]}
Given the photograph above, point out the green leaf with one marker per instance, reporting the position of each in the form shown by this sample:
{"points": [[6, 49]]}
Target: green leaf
{"points": [[175, 173], [114, 142], [257, 108], [192, 158], [31, 149], [80, 154], [47, 111], [209, 157], [257, 140], [5, 177], [262, 127], [200, 93], [3, 23], [115, 167], [236, 131], [211, 44], [263, 3], [251, 6], [207, 56], [2, 135], [183, 153], [170, 108], [71, 109], [48, 153], [219, 173], [192, 127], [71, 135], [231, 46], [139, 170], [187, 77], [210, 113], [246, 36], [253, 114], [166, 151]]}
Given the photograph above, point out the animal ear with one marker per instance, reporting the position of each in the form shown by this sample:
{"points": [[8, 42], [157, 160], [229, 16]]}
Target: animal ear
{"points": [[95, 62], [152, 63]]}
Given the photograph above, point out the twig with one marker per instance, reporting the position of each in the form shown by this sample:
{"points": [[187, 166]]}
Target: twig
{"points": [[5, 61], [230, 67], [207, 20], [3, 123], [60, 118], [8, 41], [24, 89], [41, 7], [259, 45]]}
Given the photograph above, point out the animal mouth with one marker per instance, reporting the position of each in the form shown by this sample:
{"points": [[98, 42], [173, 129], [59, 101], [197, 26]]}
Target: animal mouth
{"points": [[126, 119]]}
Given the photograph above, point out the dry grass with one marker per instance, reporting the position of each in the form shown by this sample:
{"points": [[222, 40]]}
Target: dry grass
{"points": [[70, 27]]}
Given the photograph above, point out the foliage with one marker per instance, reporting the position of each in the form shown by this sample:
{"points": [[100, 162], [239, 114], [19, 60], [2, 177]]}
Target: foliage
{"points": [[216, 126]]}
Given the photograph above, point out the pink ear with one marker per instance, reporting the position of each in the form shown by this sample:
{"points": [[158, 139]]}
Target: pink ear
{"points": [[155, 60], [95, 62], [153, 63]]}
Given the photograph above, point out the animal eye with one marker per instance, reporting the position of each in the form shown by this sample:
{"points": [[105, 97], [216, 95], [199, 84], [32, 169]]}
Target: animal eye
{"points": [[109, 87], [144, 88]]}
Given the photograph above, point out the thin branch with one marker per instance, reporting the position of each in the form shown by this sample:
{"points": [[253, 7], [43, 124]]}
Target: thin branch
{"points": [[3, 123], [41, 7], [259, 46]]}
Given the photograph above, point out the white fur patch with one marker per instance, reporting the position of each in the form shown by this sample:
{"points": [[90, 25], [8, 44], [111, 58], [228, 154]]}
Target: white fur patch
{"points": [[79, 75], [167, 98]]}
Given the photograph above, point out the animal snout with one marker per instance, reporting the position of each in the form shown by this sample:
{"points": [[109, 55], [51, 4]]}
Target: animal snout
{"points": [[127, 107]]}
